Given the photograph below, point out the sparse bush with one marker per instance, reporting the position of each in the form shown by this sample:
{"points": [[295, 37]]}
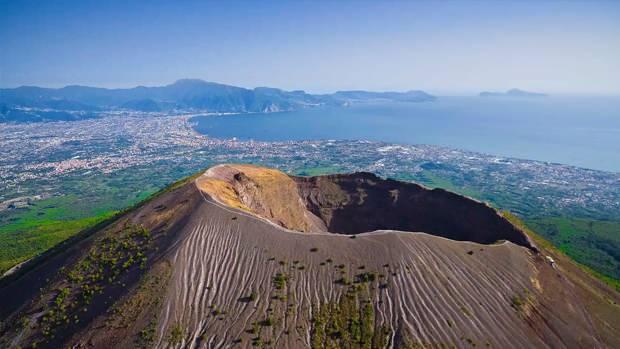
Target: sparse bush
{"points": [[176, 334], [279, 280], [343, 281], [365, 277], [103, 265], [517, 302], [267, 322]]}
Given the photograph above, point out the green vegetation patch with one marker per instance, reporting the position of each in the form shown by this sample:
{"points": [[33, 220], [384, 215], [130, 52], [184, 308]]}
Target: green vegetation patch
{"points": [[279, 281], [106, 261], [348, 323], [176, 334], [29, 236], [318, 171], [593, 243], [541, 241]]}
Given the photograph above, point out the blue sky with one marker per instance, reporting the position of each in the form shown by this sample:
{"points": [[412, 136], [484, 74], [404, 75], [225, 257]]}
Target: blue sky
{"points": [[455, 47]]}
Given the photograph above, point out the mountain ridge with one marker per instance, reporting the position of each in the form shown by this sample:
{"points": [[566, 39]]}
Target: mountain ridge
{"points": [[182, 95]]}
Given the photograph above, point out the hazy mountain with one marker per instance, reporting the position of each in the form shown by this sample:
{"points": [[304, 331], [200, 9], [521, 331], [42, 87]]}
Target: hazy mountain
{"points": [[409, 96], [147, 105], [10, 114], [515, 92], [187, 94]]}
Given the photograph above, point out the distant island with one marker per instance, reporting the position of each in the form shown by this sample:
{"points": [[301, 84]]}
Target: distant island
{"points": [[515, 92], [32, 104]]}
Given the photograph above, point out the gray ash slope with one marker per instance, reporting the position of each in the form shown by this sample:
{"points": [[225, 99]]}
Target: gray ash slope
{"points": [[243, 257]]}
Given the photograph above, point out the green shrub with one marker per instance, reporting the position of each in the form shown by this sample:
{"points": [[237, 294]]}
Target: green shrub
{"points": [[176, 335], [279, 280]]}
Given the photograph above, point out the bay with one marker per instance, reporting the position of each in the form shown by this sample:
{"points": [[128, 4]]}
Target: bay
{"points": [[579, 131]]}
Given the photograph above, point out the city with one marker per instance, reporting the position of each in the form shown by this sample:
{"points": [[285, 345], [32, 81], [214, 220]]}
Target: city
{"points": [[49, 152]]}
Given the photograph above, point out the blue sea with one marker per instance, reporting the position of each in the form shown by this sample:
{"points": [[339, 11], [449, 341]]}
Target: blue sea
{"points": [[579, 131]]}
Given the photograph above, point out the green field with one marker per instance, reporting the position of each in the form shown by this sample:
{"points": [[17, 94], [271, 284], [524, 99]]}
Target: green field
{"points": [[29, 231], [26, 237], [26, 232], [590, 242]]}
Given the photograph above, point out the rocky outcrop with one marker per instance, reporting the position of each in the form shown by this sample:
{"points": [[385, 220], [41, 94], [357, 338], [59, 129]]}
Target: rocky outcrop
{"points": [[357, 203], [267, 193]]}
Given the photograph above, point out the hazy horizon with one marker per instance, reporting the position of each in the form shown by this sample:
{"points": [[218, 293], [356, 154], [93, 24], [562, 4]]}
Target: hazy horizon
{"points": [[435, 92], [449, 48]]}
